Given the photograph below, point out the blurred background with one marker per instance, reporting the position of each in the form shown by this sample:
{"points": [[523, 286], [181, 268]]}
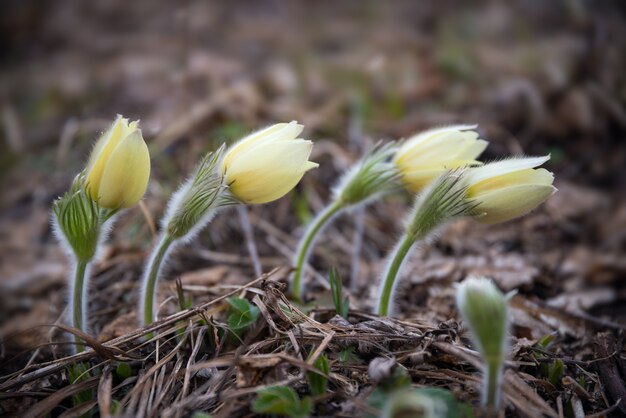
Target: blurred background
{"points": [[537, 77]]}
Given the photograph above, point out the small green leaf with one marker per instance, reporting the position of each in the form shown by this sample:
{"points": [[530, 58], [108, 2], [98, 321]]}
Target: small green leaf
{"points": [[123, 370], [555, 372], [348, 356], [545, 341], [241, 314], [281, 400], [342, 305], [79, 372], [317, 382], [198, 414]]}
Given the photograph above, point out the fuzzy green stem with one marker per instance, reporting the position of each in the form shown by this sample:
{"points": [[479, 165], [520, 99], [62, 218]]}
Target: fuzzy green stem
{"points": [[392, 273], [491, 397], [305, 243], [77, 300], [150, 281]]}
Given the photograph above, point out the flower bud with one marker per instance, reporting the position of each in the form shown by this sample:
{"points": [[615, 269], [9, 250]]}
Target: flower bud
{"points": [[119, 166], [427, 155], [483, 307], [508, 189], [266, 165]]}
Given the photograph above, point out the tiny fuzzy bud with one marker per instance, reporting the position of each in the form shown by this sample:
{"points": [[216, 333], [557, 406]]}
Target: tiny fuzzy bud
{"points": [[381, 368], [119, 166], [267, 164], [423, 403], [483, 307], [427, 155], [510, 188]]}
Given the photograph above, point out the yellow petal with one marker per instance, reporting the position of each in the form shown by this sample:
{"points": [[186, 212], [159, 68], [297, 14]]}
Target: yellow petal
{"points": [[426, 155], [472, 149], [527, 176], [269, 172], [272, 133], [126, 174], [102, 150], [418, 179], [511, 202], [500, 168]]}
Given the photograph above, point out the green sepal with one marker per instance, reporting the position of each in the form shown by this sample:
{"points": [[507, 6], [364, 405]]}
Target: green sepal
{"points": [[373, 176], [78, 219]]}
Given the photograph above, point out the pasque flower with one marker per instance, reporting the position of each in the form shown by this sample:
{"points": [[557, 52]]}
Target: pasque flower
{"points": [[492, 193], [426, 155], [483, 308], [260, 168], [415, 163], [267, 164], [119, 166], [116, 177], [509, 188]]}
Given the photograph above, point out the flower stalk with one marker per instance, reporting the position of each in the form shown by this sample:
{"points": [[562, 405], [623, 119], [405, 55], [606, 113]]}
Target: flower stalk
{"points": [[389, 281], [369, 179], [492, 383], [155, 266], [78, 297], [190, 209], [304, 247], [441, 202]]}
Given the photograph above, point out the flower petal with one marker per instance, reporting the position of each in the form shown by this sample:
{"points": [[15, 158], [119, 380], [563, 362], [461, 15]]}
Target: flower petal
{"points": [[511, 202], [528, 176], [126, 174], [102, 150], [272, 133], [269, 172], [500, 168]]}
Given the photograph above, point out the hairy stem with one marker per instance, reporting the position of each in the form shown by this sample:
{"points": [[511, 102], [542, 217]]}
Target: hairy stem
{"points": [[491, 394], [391, 274], [78, 316], [304, 246], [149, 282]]}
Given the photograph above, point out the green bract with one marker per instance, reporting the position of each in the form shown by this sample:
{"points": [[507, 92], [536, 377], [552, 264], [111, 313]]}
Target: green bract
{"points": [[374, 175], [444, 200], [202, 192], [77, 219]]}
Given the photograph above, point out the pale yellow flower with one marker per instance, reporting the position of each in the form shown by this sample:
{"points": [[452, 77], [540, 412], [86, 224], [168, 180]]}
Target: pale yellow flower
{"points": [[267, 164], [119, 166], [426, 155], [510, 188]]}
